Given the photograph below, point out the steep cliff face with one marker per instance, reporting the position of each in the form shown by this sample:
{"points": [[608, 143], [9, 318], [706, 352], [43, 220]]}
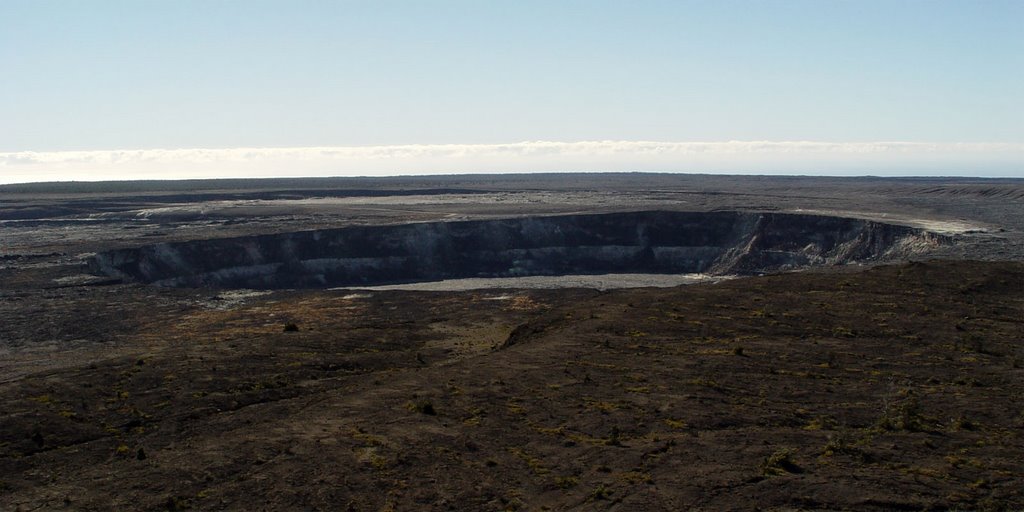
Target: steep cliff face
{"points": [[647, 242]]}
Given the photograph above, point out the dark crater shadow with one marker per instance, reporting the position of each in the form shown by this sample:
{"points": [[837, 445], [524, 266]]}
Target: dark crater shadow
{"points": [[633, 242]]}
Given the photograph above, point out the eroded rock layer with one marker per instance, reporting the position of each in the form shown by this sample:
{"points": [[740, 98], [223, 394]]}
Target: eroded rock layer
{"points": [[639, 242]]}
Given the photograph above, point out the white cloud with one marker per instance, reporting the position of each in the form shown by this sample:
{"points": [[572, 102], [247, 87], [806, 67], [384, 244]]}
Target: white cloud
{"points": [[775, 157]]}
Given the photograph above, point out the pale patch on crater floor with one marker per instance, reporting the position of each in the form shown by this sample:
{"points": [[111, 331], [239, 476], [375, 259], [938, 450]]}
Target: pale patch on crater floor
{"points": [[599, 282]]}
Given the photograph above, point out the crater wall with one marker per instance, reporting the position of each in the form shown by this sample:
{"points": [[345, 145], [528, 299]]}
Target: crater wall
{"points": [[633, 242]]}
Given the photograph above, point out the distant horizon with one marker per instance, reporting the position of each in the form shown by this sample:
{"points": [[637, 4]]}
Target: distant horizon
{"points": [[774, 158], [399, 177]]}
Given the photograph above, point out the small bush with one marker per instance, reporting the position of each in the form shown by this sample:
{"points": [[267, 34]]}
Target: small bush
{"points": [[780, 463], [902, 415], [177, 503], [601, 492], [964, 423], [613, 438], [291, 327], [422, 407], [680, 424], [566, 482], [843, 332], [841, 443]]}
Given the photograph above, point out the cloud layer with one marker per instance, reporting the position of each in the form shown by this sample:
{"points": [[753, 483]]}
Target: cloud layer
{"points": [[768, 157]]}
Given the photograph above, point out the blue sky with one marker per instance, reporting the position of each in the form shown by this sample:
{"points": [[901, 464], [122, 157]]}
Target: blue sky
{"points": [[96, 76]]}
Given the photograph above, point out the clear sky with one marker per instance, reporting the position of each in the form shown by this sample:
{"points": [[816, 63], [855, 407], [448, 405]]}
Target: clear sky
{"points": [[525, 85]]}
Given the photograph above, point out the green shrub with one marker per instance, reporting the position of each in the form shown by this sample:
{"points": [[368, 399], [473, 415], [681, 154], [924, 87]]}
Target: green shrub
{"points": [[422, 407], [780, 463]]}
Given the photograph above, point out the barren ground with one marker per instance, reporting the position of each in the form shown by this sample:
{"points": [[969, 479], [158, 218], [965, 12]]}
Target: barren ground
{"points": [[892, 387]]}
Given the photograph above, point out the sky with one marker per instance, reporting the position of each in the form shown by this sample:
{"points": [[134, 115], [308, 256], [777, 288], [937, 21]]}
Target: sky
{"points": [[151, 89]]}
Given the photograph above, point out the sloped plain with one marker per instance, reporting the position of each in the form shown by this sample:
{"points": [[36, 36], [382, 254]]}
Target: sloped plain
{"points": [[895, 387]]}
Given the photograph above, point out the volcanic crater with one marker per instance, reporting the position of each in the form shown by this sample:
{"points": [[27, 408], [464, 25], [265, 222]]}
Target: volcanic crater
{"points": [[657, 242]]}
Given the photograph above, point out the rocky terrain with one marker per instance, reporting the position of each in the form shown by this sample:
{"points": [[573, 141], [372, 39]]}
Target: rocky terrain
{"points": [[867, 382]]}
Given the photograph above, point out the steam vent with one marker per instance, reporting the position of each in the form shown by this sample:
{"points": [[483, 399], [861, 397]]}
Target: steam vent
{"points": [[635, 242]]}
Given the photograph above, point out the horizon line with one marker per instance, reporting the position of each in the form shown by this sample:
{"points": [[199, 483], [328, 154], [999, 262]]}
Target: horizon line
{"points": [[800, 157], [526, 142]]}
